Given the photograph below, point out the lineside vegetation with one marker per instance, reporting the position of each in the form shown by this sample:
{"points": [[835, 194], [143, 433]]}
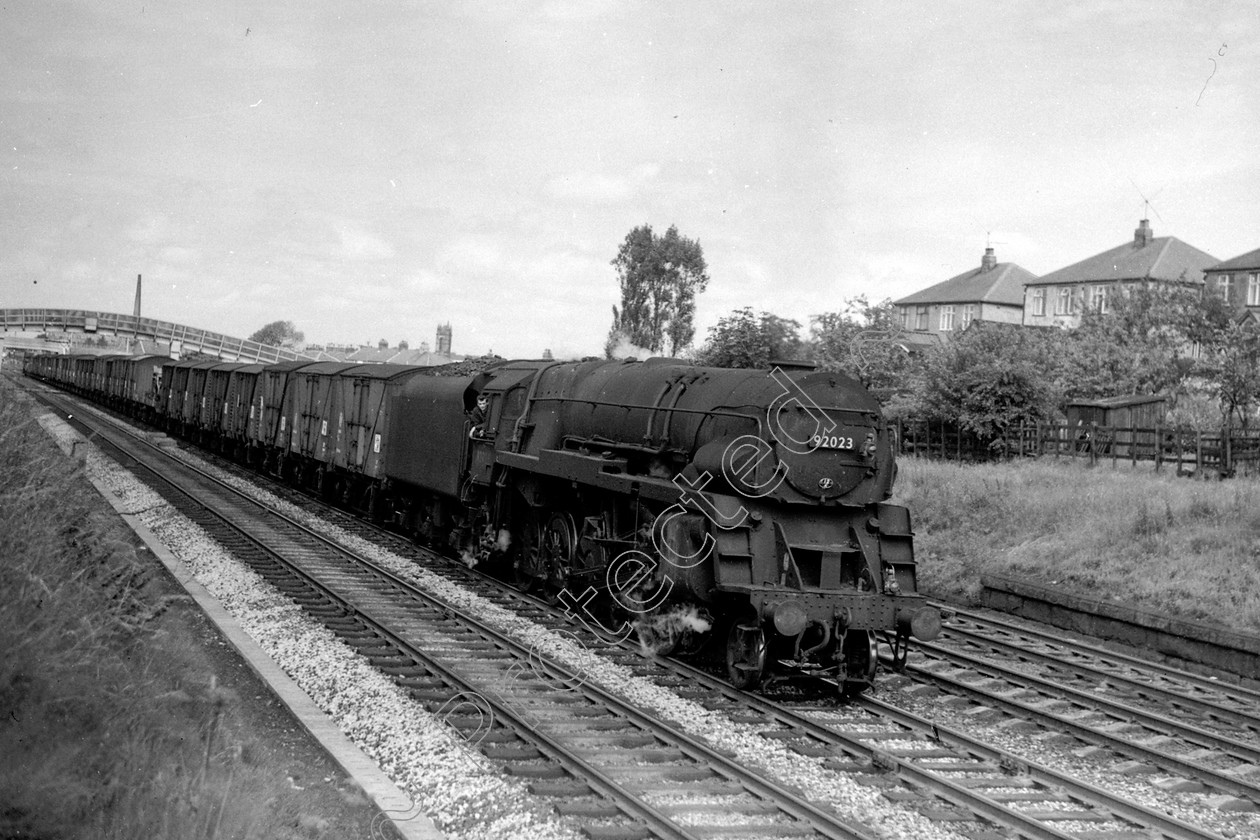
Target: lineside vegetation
{"points": [[113, 723], [1185, 548]]}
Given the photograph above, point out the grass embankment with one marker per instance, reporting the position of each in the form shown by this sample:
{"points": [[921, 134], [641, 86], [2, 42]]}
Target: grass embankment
{"points": [[1154, 541], [112, 720]]}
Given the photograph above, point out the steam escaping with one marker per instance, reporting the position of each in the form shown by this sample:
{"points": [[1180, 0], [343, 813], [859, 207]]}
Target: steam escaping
{"points": [[488, 544], [663, 632], [626, 349]]}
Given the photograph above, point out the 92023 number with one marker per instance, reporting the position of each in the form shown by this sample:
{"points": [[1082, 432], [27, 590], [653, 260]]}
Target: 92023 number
{"points": [[832, 442]]}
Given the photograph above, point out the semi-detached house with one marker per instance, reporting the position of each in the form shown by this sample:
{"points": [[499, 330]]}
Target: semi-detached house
{"points": [[992, 292], [1059, 298]]}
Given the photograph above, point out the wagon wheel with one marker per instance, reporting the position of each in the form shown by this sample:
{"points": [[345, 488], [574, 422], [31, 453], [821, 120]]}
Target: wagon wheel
{"points": [[745, 654]]}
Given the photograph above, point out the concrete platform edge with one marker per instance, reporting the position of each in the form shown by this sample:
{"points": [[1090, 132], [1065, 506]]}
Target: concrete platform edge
{"points": [[1188, 642]]}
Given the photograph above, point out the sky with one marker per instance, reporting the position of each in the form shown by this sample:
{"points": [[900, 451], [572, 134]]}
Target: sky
{"points": [[371, 170]]}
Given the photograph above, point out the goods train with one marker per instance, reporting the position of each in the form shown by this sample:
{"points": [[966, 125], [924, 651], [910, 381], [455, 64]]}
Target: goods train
{"points": [[704, 507]]}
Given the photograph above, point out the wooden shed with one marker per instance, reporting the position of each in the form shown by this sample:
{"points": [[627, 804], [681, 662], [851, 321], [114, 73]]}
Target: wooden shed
{"points": [[1131, 412]]}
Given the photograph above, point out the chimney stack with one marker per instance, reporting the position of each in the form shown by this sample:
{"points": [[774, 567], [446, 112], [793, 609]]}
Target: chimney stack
{"points": [[1143, 235], [988, 262], [137, 307]]}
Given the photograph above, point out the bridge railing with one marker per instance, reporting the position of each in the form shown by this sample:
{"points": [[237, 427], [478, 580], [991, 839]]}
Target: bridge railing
{"points": [[189, 338]]}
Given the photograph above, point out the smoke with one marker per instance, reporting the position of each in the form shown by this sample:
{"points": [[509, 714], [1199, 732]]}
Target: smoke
{"points": [[504, 540], [624, 348]]}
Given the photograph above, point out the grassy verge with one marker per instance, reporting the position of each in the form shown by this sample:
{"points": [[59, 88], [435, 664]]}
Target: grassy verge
{"points": [[120, 713], [1153, 541]]}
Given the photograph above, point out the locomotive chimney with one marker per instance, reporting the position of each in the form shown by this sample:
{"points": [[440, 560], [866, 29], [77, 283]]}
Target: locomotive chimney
{"points": [[137, 307], [1143, 235], [988, 262]]}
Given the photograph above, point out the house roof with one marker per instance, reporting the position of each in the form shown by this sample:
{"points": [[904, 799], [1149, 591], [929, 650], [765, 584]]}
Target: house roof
{"points": [[1119, 402], [1251, 259], [1001, 284], [394, 355], [1146, 257]]}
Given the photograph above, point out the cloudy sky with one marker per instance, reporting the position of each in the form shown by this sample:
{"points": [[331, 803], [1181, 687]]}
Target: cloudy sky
{"points": [[369, 170]]}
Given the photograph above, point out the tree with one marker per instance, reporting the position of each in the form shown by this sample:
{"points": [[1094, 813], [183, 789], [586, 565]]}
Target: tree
{"points": [[279, 334], [660, 277], [745, 340], [1232, 371], [865, 340], [990, 378], [1144, 343]]}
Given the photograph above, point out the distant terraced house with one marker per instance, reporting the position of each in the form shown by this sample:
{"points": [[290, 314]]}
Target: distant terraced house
{"points": [[992, 292], [1058, 299]]}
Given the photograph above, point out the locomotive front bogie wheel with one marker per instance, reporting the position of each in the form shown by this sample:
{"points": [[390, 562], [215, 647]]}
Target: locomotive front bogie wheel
{"points": [[746, 654], [861, 660]]}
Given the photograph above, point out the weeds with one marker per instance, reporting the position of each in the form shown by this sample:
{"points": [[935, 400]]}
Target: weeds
{"points": [[1155, 541], [103, 733]]}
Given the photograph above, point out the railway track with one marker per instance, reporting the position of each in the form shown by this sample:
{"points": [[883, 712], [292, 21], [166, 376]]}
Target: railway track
{"points": [[949, 777], [616, 771], [1200, 732]]}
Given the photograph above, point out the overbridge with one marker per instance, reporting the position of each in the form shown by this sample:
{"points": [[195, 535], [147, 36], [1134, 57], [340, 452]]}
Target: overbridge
{"points": [[27, 324]]}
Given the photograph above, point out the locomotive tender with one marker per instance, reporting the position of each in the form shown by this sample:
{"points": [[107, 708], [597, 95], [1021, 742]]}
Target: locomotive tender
{"points": [[746, 506]]}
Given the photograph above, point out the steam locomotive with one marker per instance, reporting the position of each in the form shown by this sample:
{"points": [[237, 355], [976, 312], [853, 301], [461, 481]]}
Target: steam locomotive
{"points": [[704, 507]]}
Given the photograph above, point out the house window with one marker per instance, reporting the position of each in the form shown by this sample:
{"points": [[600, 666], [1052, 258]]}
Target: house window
{"points": [[947, 318], [1224, 284], [1039, 301], [968, 314], [1253, 290], [921, 318], [1098, 298], [1063, 301]]}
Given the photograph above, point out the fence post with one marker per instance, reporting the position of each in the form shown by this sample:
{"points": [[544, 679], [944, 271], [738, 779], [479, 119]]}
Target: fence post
{"points": [[1227, 454], [1198, 453], [1133, 442], [1159, 448], [1093, 443]]}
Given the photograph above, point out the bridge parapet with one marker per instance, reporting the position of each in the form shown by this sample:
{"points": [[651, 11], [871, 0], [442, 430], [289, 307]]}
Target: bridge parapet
{"points": [[180, 337]]}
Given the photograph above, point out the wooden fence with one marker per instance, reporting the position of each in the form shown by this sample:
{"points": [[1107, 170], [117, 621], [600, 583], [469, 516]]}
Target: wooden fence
{"points": [[1224, 453]]}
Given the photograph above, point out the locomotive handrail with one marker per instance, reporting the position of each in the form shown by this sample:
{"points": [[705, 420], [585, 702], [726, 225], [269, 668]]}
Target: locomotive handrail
{"points": [[629, 406], [514, 444]]}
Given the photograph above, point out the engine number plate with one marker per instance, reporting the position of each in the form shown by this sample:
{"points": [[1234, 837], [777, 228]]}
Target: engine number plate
{"points": [[844, 440]]}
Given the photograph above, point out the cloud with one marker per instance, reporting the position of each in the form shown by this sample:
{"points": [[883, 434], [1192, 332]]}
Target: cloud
{"points": [[358, 244], [600, 188]]}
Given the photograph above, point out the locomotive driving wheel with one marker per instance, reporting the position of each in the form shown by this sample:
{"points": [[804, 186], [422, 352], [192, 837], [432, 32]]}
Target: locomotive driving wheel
{"points": [[547, 556], [745, 654]]}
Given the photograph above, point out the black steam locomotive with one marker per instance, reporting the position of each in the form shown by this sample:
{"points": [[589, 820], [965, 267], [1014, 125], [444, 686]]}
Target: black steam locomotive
{"points": [[695, 504]]}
